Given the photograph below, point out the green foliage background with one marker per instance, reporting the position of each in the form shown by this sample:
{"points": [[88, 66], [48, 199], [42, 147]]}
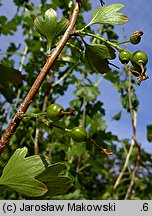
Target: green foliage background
{"points": [[81, 170]]}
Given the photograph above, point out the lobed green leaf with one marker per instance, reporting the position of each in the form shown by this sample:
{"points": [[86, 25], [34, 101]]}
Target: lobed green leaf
{"points": [[50, 28], [20, 172], [108, 15]]}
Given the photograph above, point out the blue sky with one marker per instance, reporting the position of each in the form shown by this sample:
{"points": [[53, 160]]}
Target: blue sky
{"points": [[140, 17]]}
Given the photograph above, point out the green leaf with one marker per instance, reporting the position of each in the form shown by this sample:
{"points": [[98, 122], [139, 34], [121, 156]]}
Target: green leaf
{"points": [[113, 76], [61, 27], [96, 123], [39, 26], [47, 27], [117, 116], [9, 27], [50, 24], [101, 51], [57, 64], [91, 91], [96, 56], [20, 172], [108, 15], [77, 149], [149, 133], [50, 28], [57, 185], [9, 77]]}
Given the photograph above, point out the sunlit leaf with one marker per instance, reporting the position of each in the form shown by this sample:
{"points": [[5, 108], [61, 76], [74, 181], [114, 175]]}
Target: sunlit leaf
{"points": [[50, 28], [108, 15]]}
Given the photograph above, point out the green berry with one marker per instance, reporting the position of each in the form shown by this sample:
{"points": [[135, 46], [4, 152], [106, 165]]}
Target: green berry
{"points": [[135, 38], [54, 112], [139, 57], [79, 134], [125, 56]]}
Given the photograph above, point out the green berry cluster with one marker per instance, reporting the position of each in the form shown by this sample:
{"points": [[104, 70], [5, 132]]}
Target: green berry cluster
{"points": [[55, 112], [138, 59]]}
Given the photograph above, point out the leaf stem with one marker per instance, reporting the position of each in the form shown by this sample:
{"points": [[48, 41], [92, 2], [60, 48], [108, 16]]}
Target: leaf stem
{"points": [[115, 45], [123, 42]]}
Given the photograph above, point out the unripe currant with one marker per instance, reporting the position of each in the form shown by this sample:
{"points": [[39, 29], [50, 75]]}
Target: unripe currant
{"points": [[54, 112], [139, 57], [135, 38], [79, 134], [125, 56]]}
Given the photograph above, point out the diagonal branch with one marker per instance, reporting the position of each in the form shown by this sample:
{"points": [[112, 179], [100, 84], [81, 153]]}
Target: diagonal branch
{"points": [[36, 85]]}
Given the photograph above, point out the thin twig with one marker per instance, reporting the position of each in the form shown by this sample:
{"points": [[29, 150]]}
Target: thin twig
{"points": [[132, 182], [36, 141], [124, 166], [23, 58], [84, 104], [83, 119], [134, 138], [49, 62]]}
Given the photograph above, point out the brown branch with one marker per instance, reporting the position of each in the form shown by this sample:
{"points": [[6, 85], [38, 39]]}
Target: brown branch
{"points": [[134, 137], [36, 85]]}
